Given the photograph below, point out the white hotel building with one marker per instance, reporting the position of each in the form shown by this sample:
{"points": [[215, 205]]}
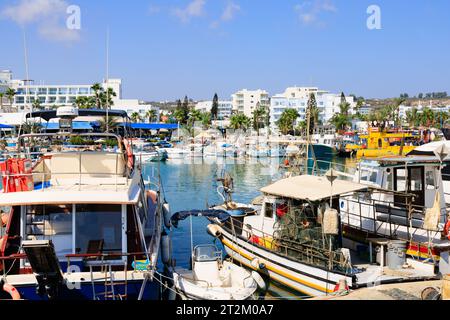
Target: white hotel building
{"points": [[224, 111], [50, 96], [297, 98], [246, 101]]}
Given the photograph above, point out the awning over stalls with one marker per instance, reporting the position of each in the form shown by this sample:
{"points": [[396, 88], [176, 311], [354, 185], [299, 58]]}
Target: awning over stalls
{"points": [[76, 125], [4, 126], [312, 188], [151, 126]]}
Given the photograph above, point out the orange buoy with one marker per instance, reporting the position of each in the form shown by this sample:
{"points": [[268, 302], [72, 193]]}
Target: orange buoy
{"points": [[12, 291]]}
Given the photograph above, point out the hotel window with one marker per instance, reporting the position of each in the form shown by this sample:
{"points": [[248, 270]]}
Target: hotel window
{"points": [[52, 91], [84, 91], [20, 100], [20, 91], [32, 91], [71, 100], [42, 99], [73, 90], [62, 100], [42, 91], [62, 91], [51, 99]]}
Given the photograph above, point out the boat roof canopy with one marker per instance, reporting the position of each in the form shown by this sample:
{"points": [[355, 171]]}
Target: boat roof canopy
{"points": [[312, 188], [51, 114]]}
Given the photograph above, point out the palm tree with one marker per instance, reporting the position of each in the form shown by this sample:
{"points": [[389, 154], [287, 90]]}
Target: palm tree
{"points": [[10, 93], [258, 118], [151, 115], [135, 117], [36, 105], [2, 94], [206, 119], [97, 88], [84, 102], [239, 121], [108, 124], [428, 117], [106, 98], [412, 118], [287, 120]]}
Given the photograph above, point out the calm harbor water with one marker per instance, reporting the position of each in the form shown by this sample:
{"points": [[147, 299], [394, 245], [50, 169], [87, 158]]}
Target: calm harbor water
{"points": [[191, 184]]}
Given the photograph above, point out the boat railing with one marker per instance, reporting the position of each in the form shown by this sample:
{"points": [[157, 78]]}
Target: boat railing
{"points": [[364, 212], [303, 252], [76, 169]]}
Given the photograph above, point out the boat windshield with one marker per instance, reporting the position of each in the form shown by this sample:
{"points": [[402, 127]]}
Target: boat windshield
{"points": [[206, 253]]}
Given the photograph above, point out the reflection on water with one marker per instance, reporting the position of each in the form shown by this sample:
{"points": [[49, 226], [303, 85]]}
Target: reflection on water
{"points": [[191, 184]]}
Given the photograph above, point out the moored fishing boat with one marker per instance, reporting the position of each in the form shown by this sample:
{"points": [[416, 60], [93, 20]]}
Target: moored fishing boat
{"points": [[296, 239], [79, 223]]}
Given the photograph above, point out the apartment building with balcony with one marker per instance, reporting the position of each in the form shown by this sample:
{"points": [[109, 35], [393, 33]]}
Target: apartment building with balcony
{"points": [[224, 110], [246, 101], [298, 97]]}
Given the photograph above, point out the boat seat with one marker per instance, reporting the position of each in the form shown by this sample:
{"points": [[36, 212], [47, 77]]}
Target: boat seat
{"points": [[67, 167], [208, 272]]}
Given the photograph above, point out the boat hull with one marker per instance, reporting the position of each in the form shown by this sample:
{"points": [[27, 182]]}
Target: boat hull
{"points": [[84, 291], [305, 279]]}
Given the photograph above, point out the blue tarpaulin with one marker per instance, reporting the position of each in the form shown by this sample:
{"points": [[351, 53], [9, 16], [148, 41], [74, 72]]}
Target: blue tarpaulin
{"points": [[152, 126], [77, 125], [4, 126]]}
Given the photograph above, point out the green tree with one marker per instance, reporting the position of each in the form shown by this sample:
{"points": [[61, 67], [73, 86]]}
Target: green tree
{"points": [[2, 94], [239, 121], [313, 112], [135, 117], [259, 117], [151, 115], [10, 93], [108, 124], [84, 102], [215, 107], [287, 121], [97, 88], [106, 98]]}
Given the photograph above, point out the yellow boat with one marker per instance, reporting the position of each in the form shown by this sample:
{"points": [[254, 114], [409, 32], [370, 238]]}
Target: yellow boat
{"points": [[381, 144]]}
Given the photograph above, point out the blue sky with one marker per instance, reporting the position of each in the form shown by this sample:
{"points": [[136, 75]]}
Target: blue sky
{"points": [[167, 49]]}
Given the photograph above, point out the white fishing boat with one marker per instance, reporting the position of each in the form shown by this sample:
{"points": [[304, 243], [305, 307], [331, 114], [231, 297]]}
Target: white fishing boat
{"points": [[147, 152], [296, 239], [177, 153], [211, 278], [79, 223]]}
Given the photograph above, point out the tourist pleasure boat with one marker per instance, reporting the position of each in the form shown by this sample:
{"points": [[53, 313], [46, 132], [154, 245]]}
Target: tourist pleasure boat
{"points": [[295, 238], [79, 223], [379, 143], [211, 278]]}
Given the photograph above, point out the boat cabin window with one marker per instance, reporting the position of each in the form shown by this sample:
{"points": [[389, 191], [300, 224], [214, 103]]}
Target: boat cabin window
{"points": [[400, 180], [416, 179], [99, 222], [268, 212], [51, 222], [430, 183], [369, 175]]}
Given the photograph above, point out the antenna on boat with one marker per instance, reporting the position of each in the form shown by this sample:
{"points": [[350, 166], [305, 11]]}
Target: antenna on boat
{"points": [[107, 79], [26, 72]]}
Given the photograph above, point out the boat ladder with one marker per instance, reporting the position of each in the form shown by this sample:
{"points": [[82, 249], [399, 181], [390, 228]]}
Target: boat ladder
{"points": [[111, 291]]}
